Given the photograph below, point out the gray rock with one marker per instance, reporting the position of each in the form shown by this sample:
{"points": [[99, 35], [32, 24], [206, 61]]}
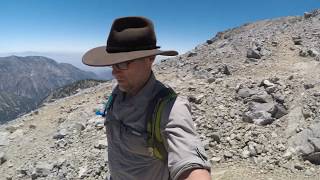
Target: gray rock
{"points": [[226, 70], [209, 41], [22, 172], [245, 153], [194, 99], [307, 15], [9, 177], [267, 107], [60, 134], [313, 52], [214, 160], [17, 134], [297, 40], [32, 126], [2, 158], [279, 111], [191, 54], [251, 60], [317, 94], [266, 83], [61, 143], [306, 149], [315, 128], [83, 172], [303, 53], [59, 162], [4, 138], [246, 92], [228, 154], [313, 158], [309, 172], [258, 117], [206, 144], [42, 169], [315, 142], [79, 126], [211, 80], [300, 142], [262, 97], [279, 98], [274, 43], [215, 137], [289, 153], [294, 118], [298, 166], [251, 149], [252, 53], [308, 86], [271, 89], [102, 144], [11, 129]]}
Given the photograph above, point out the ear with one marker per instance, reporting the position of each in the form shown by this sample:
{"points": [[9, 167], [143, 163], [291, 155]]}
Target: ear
{"points": [[152, 58], [150, 61]]}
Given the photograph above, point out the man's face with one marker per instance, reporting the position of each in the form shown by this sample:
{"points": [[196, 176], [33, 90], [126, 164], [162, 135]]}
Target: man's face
{"points": [[133, 78]]}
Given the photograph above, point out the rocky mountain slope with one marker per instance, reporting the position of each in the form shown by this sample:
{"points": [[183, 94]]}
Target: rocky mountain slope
{"points": [[25, 81], [255, 97]]}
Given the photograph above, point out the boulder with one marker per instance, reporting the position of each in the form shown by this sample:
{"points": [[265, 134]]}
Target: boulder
{"points": [[262, 97], [246, 92], [307, 15], [258, 117], [313, 52], [252, 53], [42, 169], [297, 40], [313, 158], [2, 158]]}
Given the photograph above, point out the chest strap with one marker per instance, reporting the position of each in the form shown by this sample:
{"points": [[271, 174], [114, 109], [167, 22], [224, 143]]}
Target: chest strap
{"points": [[153, 122]]}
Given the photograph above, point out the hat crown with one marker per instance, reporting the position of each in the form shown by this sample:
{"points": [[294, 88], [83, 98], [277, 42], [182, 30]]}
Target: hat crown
{"points": [[131, 34]]}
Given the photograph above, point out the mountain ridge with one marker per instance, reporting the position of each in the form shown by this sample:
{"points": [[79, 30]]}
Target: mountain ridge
{"points": [[254, 95], [31, 79]]}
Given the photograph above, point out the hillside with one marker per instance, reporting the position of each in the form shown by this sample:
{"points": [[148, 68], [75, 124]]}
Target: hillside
{"points": [[255, 97], [26, 81]]}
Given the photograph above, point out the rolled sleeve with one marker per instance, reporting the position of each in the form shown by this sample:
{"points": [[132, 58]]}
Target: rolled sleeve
{"points": [[185, 150]]}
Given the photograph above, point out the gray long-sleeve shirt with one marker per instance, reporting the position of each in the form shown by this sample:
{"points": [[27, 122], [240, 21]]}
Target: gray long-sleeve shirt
{"points": [[129, 158]]}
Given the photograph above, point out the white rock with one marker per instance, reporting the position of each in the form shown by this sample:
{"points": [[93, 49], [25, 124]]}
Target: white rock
{"points": [[4, 138]]}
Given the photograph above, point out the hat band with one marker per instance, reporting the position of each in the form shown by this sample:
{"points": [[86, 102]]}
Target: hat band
{"points": [[114, 49]]}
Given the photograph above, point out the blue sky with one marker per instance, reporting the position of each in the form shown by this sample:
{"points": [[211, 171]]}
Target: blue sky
{"points": [[74, 26]]}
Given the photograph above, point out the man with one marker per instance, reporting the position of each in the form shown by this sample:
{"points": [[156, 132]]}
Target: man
{"points": [[148, 138]]}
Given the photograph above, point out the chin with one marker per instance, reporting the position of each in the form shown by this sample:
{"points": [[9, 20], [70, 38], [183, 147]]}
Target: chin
{"points": [[123, 88]]}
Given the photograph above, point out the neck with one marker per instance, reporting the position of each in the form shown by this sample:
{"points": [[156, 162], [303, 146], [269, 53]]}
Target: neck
{"points": [[135, 91]]}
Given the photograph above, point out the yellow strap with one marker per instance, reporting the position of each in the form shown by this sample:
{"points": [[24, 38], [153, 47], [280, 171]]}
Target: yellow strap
{"points": [[158, 121]]}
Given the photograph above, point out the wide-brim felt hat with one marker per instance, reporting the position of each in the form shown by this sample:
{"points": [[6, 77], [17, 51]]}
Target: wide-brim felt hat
{"points": [[130, 38]]}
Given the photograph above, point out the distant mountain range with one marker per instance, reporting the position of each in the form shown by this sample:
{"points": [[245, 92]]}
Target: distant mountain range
{"points": [[73, 58], [26, 81]]}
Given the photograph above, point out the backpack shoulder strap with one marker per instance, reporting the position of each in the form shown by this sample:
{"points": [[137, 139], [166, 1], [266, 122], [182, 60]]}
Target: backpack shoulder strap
{"points": [[109, 104], [158, 104]]}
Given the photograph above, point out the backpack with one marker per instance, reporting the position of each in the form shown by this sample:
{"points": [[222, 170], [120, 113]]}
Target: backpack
{"points": [[155, 109]]}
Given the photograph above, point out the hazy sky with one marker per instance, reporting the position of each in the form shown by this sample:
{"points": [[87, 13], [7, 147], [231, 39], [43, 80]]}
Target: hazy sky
{"points": [[74, 26]]}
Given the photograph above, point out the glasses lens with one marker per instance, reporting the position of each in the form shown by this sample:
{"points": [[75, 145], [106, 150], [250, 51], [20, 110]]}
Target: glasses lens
{"points": [[122, 66]]}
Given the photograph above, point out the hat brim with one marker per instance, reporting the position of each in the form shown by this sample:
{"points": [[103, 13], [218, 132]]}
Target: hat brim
{"points": [[100, 57]]}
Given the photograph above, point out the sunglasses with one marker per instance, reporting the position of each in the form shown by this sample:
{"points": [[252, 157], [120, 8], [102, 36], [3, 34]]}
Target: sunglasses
{"points": [[124, 65], [121, 66]]}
